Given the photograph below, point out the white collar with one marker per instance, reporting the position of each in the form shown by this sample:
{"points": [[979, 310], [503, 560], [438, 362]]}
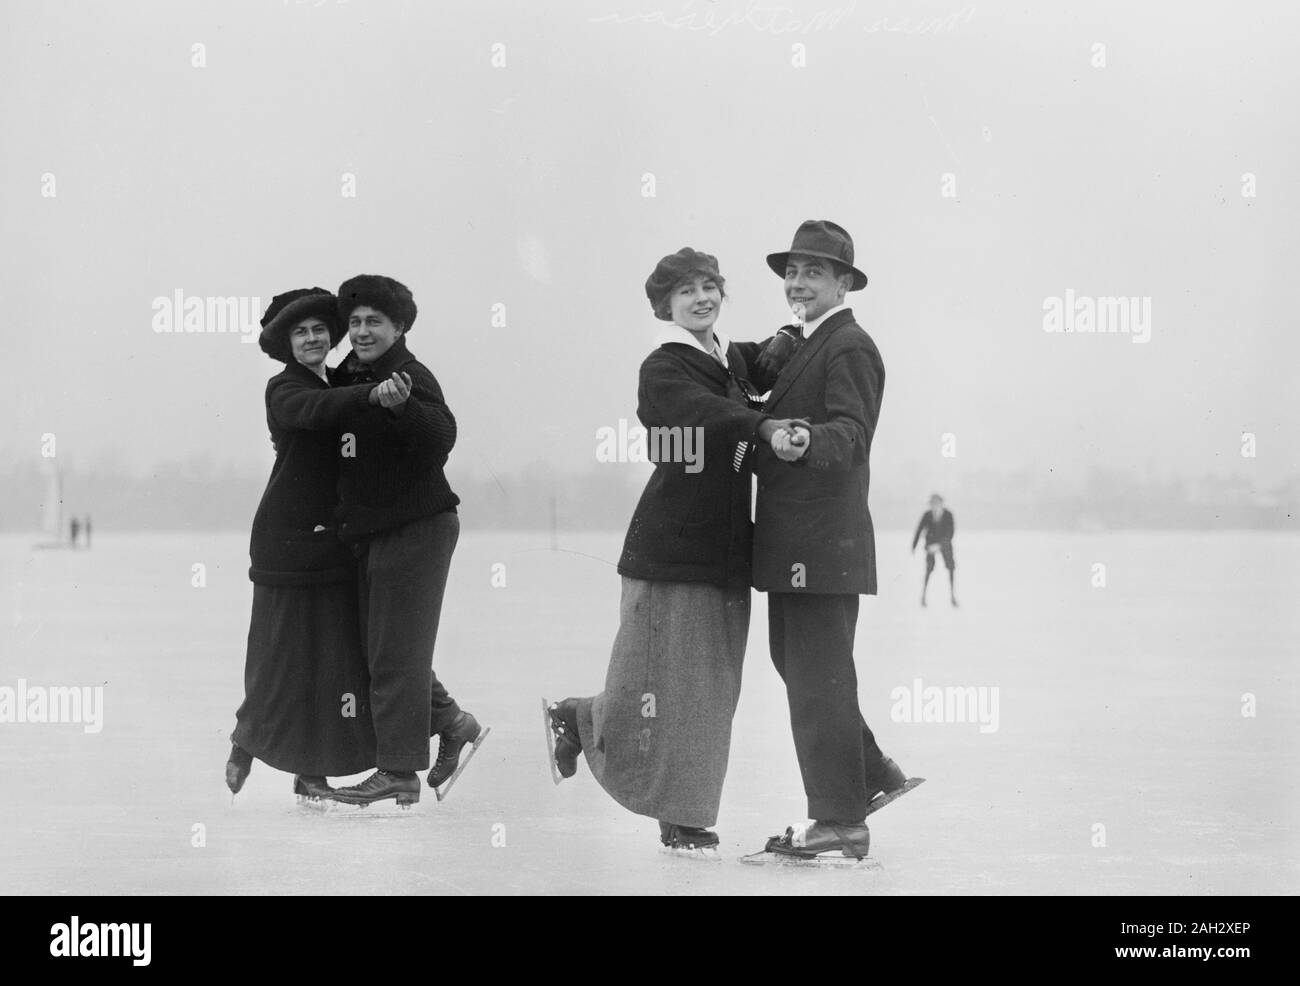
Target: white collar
{"points": [[675, 333], [811, 327]]}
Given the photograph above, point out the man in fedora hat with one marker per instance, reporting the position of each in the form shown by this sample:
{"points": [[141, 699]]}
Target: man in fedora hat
{"points": [[814, 547]]}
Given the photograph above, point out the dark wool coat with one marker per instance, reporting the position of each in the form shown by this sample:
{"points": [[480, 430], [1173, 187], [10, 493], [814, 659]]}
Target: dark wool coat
{"points": [[693, 526], [302, 492], [813, 530]]}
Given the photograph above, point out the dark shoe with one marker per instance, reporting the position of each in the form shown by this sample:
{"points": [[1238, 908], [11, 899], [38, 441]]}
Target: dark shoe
{"points": [[237, 768], [887, 778], [850, 839], [564, 730], [686, 837], [463, 731], [311, 788], [382, 784]]}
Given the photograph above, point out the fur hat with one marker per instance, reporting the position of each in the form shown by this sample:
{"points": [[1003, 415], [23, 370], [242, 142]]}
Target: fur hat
{"points": [[675, 268], [287, 310], [384, 294]]}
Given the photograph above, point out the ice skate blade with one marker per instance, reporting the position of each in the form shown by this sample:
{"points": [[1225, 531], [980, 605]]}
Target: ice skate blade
{"points": [[315, 804], [550, 741], [880, 800], [826, 861], [696, 855], [389, 806], [465, 758]]}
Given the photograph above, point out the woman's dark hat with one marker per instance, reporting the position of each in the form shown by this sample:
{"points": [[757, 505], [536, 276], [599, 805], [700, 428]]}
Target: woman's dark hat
{"points": [[672, 270], [820, 238], [287, 310], [384, 294]]}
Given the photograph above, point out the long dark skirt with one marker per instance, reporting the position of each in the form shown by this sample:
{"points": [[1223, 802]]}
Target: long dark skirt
{"points": [[306, 688], [659, 735]]}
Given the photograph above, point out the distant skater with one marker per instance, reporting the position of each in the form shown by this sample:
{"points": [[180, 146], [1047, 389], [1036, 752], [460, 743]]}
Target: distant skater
{"points": [[938, 525], [87, 530], [76, 530]]}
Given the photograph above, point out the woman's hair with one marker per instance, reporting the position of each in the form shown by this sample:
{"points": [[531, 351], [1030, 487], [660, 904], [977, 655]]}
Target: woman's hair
{"points": [[676, 269]]}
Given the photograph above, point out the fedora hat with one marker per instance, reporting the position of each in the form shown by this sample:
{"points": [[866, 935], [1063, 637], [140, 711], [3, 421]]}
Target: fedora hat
{"points": [[288, 309], [820, 238]]}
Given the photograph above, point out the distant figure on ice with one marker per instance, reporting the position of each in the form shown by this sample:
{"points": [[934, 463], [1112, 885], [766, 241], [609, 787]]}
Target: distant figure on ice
{"points": [[87, 530], [938, 525], [76, 530]]}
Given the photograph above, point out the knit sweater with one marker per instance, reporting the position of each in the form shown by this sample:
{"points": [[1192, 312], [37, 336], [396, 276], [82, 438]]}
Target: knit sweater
{"points": [[391, 471]]}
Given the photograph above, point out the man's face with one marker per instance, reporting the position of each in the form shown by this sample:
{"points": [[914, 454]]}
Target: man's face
{"points": [[309, 342], [694, 304], [371, 332], [936, 507], [811, 281]]}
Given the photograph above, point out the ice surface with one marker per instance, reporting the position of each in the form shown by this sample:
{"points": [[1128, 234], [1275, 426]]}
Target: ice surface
{"points": [[1118, 707]]}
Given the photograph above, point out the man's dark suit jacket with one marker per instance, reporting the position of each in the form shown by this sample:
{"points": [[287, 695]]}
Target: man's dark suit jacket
{"points": [[813, 530]]}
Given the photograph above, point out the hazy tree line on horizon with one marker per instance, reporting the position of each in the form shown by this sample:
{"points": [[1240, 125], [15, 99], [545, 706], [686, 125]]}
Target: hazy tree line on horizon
{"points": [[201, 495]]}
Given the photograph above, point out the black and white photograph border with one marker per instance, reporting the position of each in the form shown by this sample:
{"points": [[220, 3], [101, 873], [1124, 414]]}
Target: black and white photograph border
{"points": [[514, 353]]}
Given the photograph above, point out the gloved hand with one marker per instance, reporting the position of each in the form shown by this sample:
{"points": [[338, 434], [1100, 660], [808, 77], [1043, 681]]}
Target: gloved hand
{"points": [[776, 354]]}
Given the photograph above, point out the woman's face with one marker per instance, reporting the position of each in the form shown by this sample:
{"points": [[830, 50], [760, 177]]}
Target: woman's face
{"points": [[372, 333], [309, 341], [694, 304]]}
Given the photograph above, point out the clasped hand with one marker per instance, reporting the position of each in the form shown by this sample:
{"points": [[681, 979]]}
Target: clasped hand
{"points": [[789, 438], [392, 392]]}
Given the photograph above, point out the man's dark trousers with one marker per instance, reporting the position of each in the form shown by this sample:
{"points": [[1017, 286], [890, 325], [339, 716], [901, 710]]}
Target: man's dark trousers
{"points": [[402, 575], [811, 638]]}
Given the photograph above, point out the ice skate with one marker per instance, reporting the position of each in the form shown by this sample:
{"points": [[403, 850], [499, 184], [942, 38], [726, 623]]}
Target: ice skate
{"points": [[686, 840], [403, 786], [453, 758], [237, 768], [312, 791], [562, 740], [820, 843], [890, 784]]}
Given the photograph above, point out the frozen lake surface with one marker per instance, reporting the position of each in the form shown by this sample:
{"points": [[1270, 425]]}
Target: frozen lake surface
{"points": [[1121, 763]]}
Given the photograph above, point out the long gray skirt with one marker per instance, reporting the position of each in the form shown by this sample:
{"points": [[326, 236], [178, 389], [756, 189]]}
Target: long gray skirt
{"points": [[658, 737]]}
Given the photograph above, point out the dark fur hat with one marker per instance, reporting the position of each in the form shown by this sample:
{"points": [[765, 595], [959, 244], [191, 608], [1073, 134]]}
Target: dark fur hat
{"points": [[675, 268], [287, 310], [384, 294]]}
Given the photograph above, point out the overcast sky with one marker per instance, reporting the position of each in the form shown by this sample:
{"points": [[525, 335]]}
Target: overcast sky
{"points": [[522, 185]]}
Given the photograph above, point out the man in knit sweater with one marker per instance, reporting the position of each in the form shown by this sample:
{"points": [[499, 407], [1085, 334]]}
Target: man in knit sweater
{"points": [[398, 512]]}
